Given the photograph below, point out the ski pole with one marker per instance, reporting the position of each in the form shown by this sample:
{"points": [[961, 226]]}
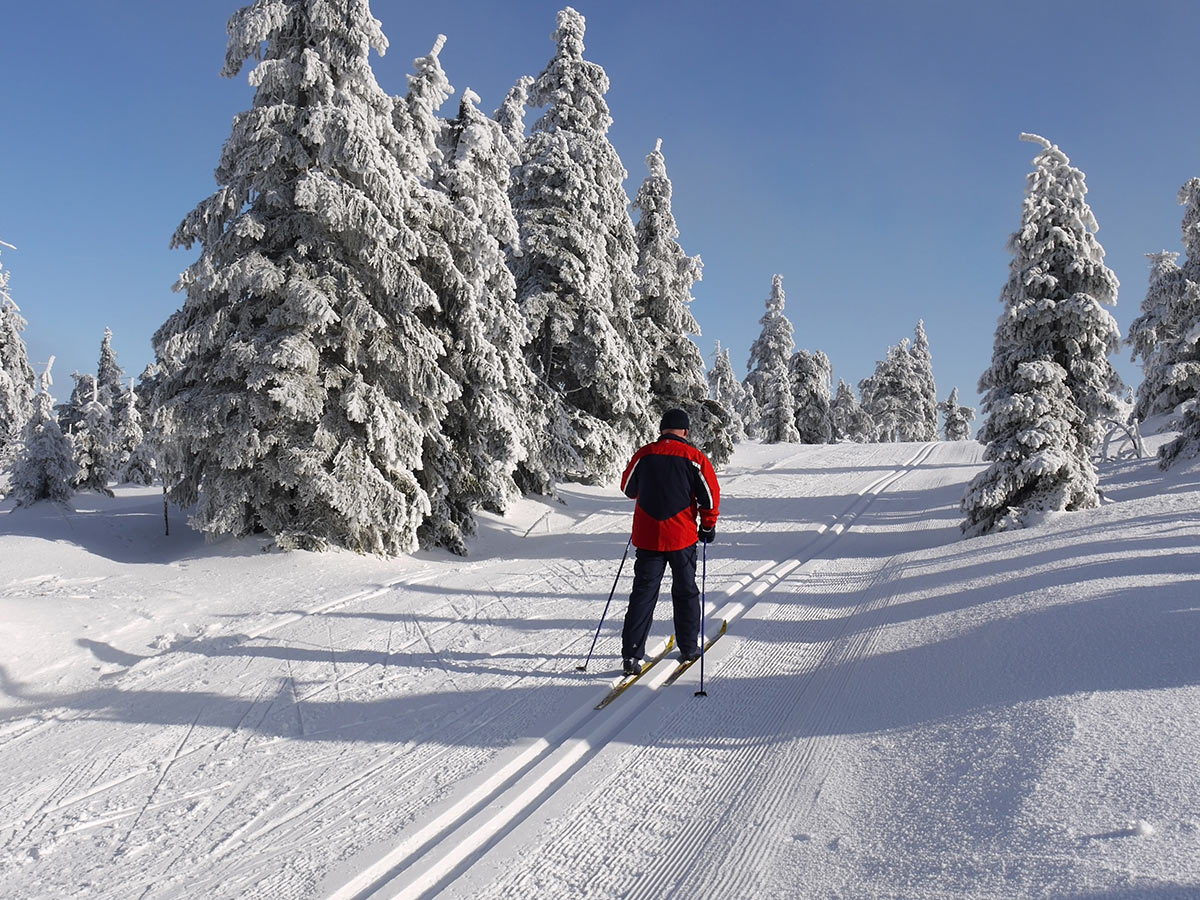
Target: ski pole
{"points": [[703, 577], [583, 668]]}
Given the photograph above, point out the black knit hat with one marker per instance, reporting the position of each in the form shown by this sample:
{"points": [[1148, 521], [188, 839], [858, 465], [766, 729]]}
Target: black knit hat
{"points": [[674, 419]]}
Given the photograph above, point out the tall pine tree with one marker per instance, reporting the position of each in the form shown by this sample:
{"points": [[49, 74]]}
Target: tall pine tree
{"points": [[444, 475], [93, 445], [891, 396], [958, 418], [925, 426], [1050, 373], [665, 277], [1155, 338], [552, 435], [812, 380], [1180, 357], [70, 413], [1167, 333], [510, 114], [109, 375], [17, 386], [727, 391], [768, 378], [575, 275], [1056, 294], [301, 376], [488, 428], [134, 454], [750, 412], [850, 421], [45, 469]]}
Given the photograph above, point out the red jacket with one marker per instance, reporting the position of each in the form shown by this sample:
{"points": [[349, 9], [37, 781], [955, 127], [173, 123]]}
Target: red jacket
{"points": [[672, 482]]}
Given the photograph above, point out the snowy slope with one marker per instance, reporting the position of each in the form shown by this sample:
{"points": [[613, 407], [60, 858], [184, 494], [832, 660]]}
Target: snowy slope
{"points": [[892, 712]]}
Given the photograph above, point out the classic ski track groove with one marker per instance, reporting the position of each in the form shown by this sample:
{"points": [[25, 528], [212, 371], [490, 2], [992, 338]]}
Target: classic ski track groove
{"points": [[288, 825], [689, 866], [807, 761], [454, 840], [295, 820], [452, 750], [29, 824]]}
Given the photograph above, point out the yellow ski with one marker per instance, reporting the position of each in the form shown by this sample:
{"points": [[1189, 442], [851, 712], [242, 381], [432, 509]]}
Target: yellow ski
{"points": [[630, 679], [684, 666]]}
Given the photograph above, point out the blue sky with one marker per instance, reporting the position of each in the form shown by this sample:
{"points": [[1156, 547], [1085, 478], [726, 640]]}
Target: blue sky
{"points": [[868, 151]]}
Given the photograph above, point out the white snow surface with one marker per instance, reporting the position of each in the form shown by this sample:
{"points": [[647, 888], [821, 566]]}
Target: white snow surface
{"points": [[892, 712]]}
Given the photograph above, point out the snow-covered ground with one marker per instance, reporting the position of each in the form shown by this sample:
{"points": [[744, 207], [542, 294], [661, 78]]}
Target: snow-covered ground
{"points": [[892, 712]]}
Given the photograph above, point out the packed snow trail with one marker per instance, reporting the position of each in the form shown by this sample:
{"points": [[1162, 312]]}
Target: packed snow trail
{"points": [[183, 720], [234, 745], [494, 809]]}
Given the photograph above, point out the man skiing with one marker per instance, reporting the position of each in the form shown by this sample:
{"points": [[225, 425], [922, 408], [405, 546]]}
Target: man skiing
{"points": [[672, 482]]}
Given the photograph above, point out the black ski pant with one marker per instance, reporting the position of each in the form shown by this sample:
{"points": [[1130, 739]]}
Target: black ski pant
{"points": [[648, 569]]}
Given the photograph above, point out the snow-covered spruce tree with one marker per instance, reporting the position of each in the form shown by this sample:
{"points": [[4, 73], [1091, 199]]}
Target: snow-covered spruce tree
{"points": [[416, 114], [45, 468], [488, 428], [112, 395], [1032, 437], [1055, 296], [1187, 443], [92, 443], [575, 275], [1167, 333], [301, 376], [110, 376], [510, 114], [925, 426], [958, 418], [551, 449], [1179, 360], [17, 385], [812, 380], [164, 442], [840, 406], [444, 474], [1185, 315], [134, 454], [750, 413], [1054, 330], [850, 421], [665, 276], [1153, 338], [891, 396], [768, 376], [71, 413], [727, 391]]}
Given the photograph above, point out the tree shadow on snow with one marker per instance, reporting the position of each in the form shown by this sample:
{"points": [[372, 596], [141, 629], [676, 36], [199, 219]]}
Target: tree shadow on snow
{"points": [[1149, 892], [127, 528], [1125, 639]]}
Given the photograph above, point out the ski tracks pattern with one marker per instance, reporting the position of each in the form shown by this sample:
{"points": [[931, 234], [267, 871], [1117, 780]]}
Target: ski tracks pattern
{"points": [[661, 811], [340, 720], [230, 781]]}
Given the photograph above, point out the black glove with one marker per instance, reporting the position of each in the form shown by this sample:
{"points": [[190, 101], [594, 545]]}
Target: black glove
{"points": [[707, 534]]}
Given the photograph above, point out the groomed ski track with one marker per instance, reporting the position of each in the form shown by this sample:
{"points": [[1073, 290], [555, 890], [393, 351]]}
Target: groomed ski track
{"points": [[692, 824], [426, 734]]}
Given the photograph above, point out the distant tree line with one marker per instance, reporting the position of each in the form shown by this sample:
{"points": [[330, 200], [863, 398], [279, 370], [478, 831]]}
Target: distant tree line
{"points": [[788, 394]]}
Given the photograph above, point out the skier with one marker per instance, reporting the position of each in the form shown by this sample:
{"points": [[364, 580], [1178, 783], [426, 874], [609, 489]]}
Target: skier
{"points": [[672, 482]]}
